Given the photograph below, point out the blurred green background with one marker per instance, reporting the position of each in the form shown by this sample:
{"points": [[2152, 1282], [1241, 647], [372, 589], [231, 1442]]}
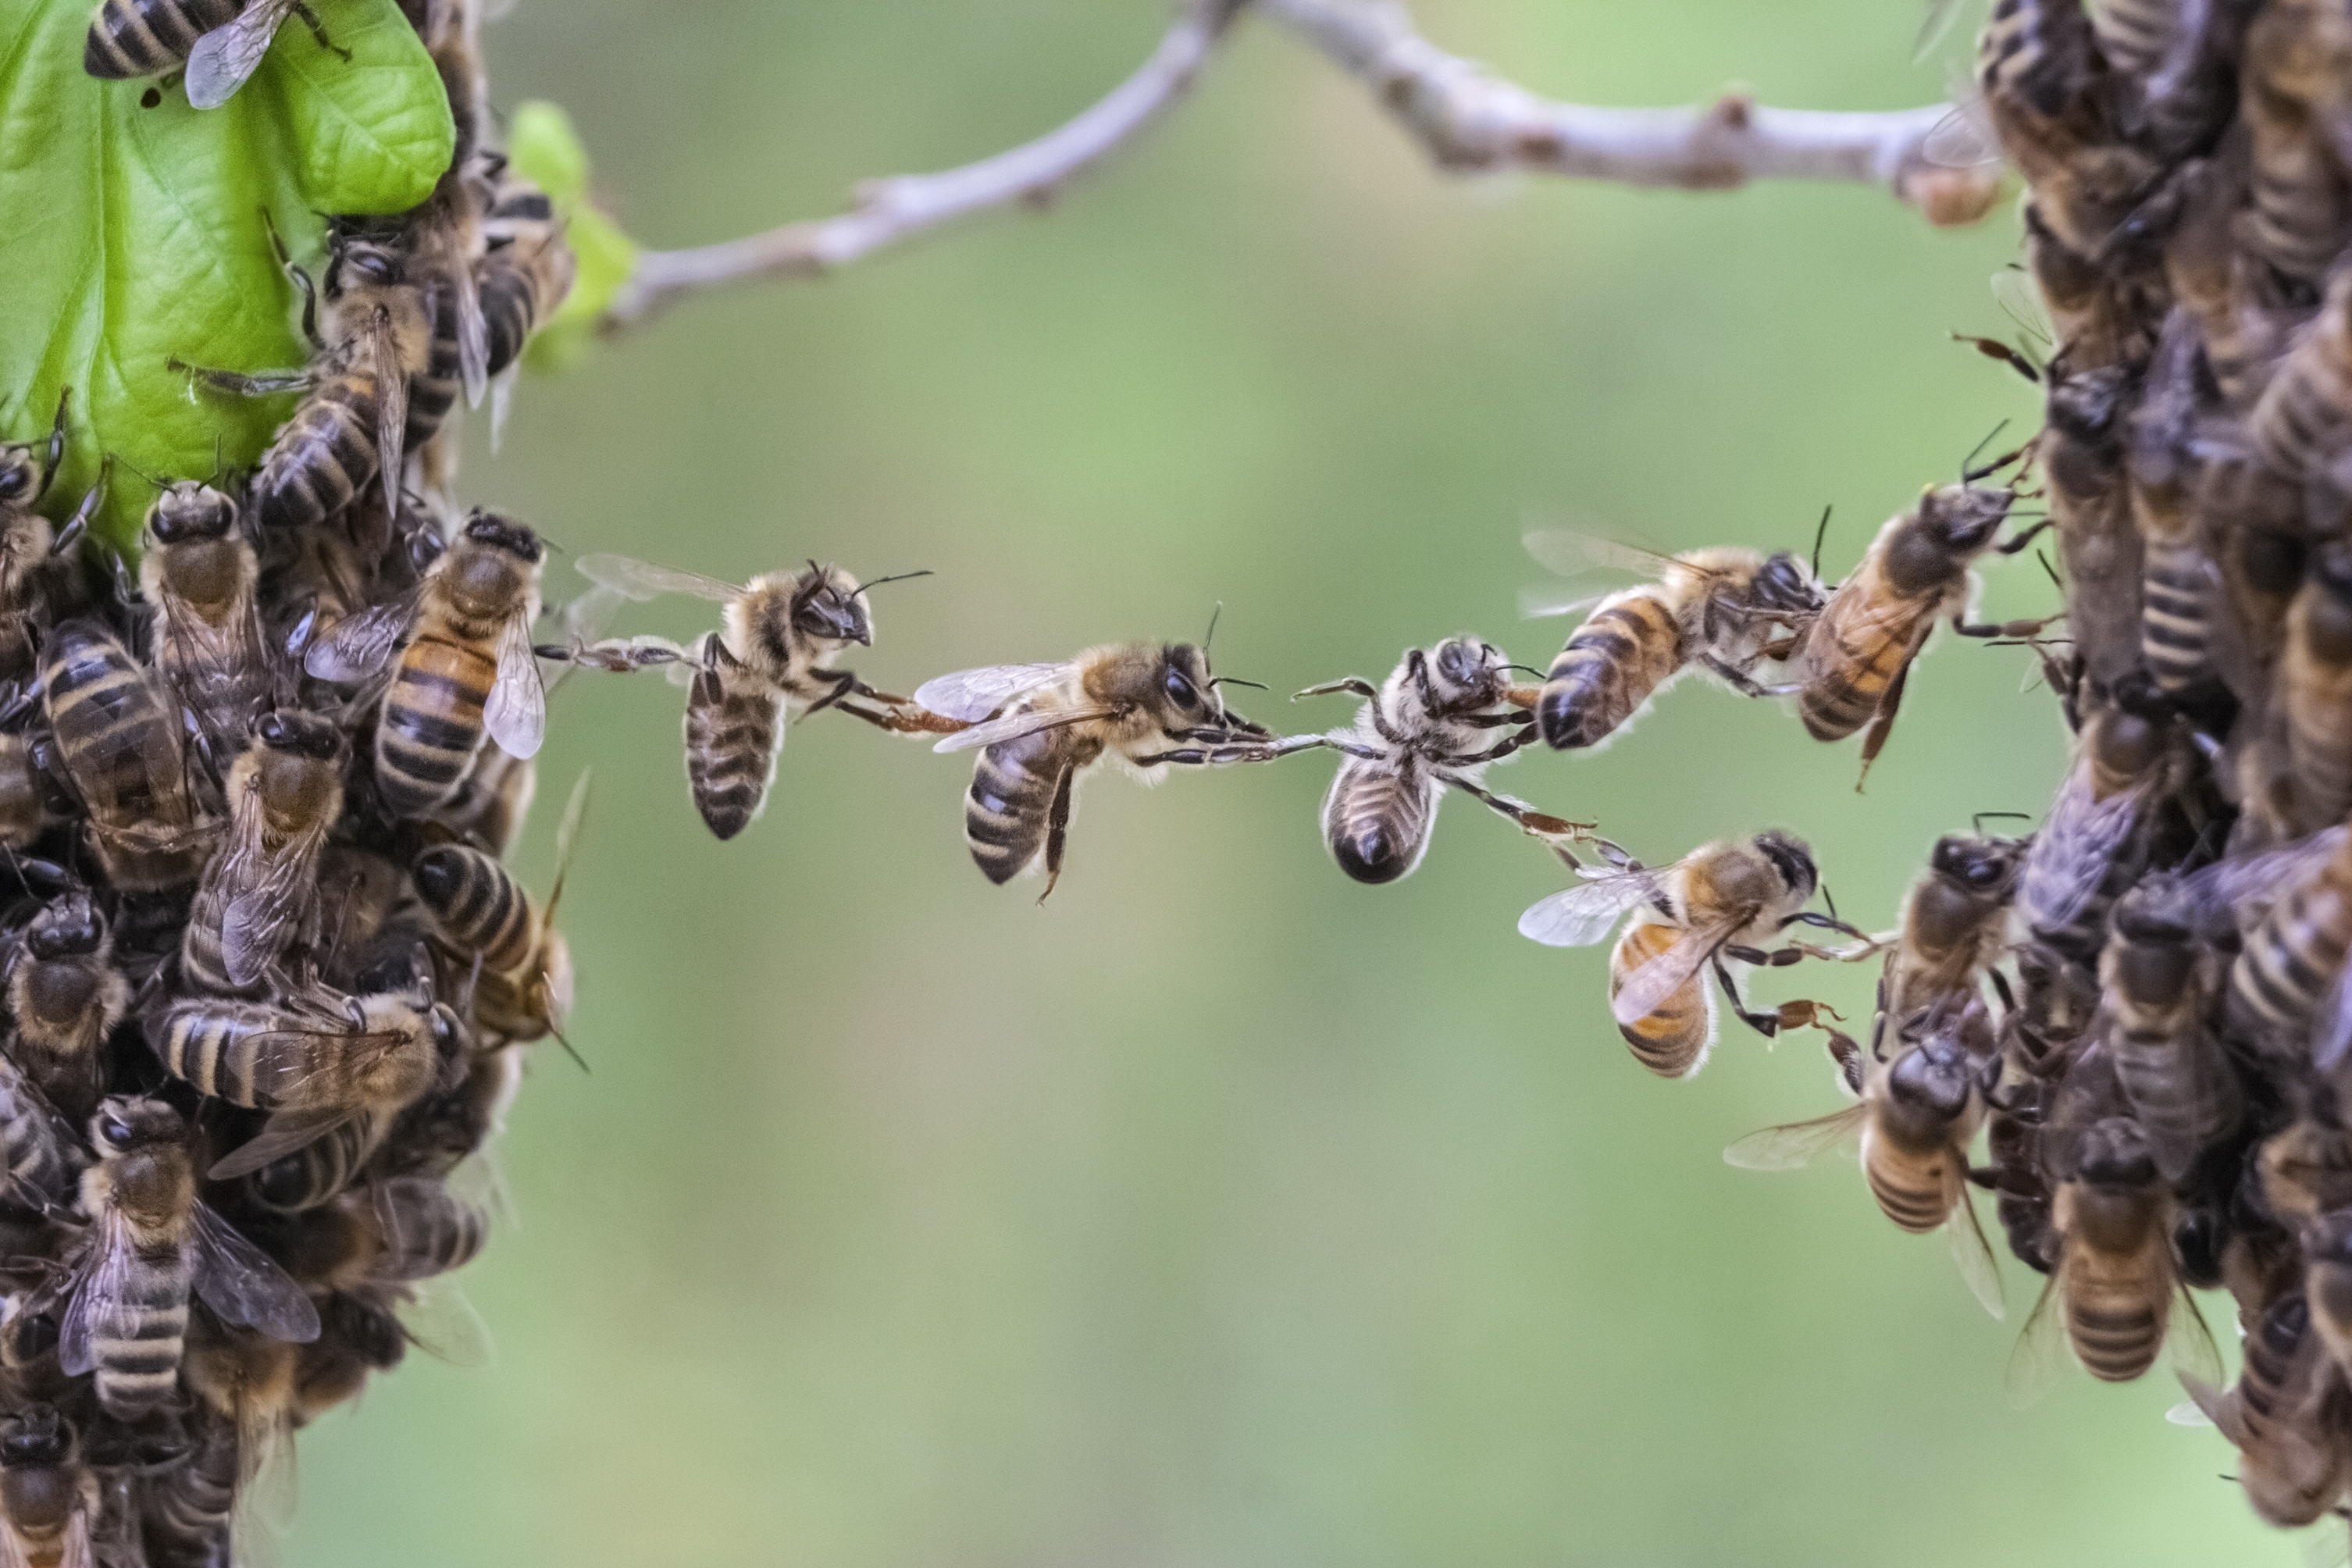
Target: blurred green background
{"points": [[1222, 1211]]}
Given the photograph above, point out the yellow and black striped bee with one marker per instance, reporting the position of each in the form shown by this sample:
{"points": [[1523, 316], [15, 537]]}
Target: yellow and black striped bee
{"points": [[222, 41], [1721, 902], [516, 962], [2298, 55], [119, 744], [1955, 923], [2284, 1416], [2156, 978], [201, 575], [260, 895], [525, 271], [2305, 413], [2059, 113], [466, 668]]}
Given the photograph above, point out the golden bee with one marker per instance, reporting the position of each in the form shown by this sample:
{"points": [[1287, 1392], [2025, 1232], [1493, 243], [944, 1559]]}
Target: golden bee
{"points": [[1442, 717], [466, 668], [119, 744], [1955, 921], [1729, 611], [1039, 726], [526, 270], [259, 897], [1721, 902], [66, 996], [153, 1244], [200, 574], [514, 958]]}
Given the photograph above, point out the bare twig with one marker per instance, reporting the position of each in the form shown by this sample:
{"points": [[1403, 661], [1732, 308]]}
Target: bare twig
{"points": [[1468, 118], [1472, 120], [900, 207]]}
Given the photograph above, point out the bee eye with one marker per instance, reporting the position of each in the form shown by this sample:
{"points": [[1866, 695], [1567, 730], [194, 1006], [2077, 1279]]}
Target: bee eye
{"points": [[1180, 690], [1983, 874], [114, 1129]]}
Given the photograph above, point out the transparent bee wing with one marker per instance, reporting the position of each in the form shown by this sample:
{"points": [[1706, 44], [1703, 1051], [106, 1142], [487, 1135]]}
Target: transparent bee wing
{"points": [[282, 1135], [1646, 989], [516, 714], [76, 1550], [439, 1320], [1794, 1143], [390, 378], [473, 332], [2210, 1400], [1572, 553], [2188, 1412], [12, 1552], [2018, 295], [567, 844], [973, 694], [643, 580], [1015, 726], [1586, 913], [1934, 28], [105, 1274], [224, 58], [1542, 604], [242, 1284], [2072, 852], [1963, 139], [2195, 1356], [1973, 1253], [357, 646], [2242, 888], [2041, 1351], [261, 921]]}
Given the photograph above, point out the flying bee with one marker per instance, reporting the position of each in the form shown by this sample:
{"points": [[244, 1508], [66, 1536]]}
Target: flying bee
{"points": [[1726, 610], [1955, 921], [1721, 902], [2115, 1285], [310, 1070], [464, 669], [118, 744], [2054, 105], [154, 1243], [2285, 1414], [1917, 1115], [1434, 722], [2157, 979], [1856, 654], [65, 994], [1039, 726], [222, 41], [48, 1499], [260, 894], [2297, 53], [2091, 845], [354, 418], [783, 632], [200, 573], [521, 966]]}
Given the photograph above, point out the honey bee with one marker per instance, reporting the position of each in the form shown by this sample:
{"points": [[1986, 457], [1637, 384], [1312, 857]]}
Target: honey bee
{"points": [[1955, 921], [2114, 1285], [2298, 55], [1856, 654], [2304, 1169], [2091, 845], [1726, 610], [222, 41], [1038, 726], [2285, 1416], [242, 1414], [1722, 901], [465, 669], [309, 1068], [154, 1244], [2157, 979], [119, 745], [24, 803], [783, 632], [2289, 975], [1917, 1115], [440, 1131], [526, 270], [260, 894], [2056, 108], [1432, 724], [2239, 332], [2312, 690], [2326, 1242], [27, 542], [2180, 585], [200, 574], [66, 996], [2081, 449], [522, 973], [356, 1337], [42, 1157], [48, 1499], [2093, 320], [187, 1507], [2304, 414], [391, 1233]]}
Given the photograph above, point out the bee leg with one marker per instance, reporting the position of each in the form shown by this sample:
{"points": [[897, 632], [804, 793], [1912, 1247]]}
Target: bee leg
{"points": [[1355, 686], [1765, 1024], [2016, 542], [844, 681], [1418, 663], [237, 383], [1831, 922], [1740, 680], [1882, 724], [2019, 629], [57, 451], [319, 31], [1057, 830], [79, 523], [1541, 825]]}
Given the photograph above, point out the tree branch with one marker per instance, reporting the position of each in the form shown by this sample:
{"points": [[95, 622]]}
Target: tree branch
{"points": [[1469, 120], [1472, 120], [891, 210]]}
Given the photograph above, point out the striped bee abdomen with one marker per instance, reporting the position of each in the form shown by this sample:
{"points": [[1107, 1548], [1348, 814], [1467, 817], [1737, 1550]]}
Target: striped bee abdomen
{"points": [[138, 1333], [432, 391], [2292, 956], [427, 1229], [130, 38], [1916, 1195], [1843, 691], [1012, 795], [321, 1168], [432, 723], [2176, 615], [1610, 665], [732, 734], [1672, 1040], [189, 1504], [480, 907], [2116, 1327], [1377, 818], [326, 452]]}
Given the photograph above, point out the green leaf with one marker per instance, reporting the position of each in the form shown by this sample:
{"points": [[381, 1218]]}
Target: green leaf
{"points": [[135, 233], [544, 149]]}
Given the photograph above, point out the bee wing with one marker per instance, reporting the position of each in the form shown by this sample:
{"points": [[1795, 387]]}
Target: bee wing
{"points": [[235, 645], [516, 714], [974, 694], [243, 1285], [1014, 726], [261, 921], [224, 56], [2040, 1350], [1584, 914], [1647, 988], [1542, 604], [282, 1134], [2072, 852], [103, 1278], [473, 332], [357, 646], [2195, 1357], [642, 580], [1934, 27], [1964, 138], [1572, 553], [390, 408], [78, 1550], [2240, 890], [1973, 1253], [438, 1320], [2015, 290], [1794, 1143]]}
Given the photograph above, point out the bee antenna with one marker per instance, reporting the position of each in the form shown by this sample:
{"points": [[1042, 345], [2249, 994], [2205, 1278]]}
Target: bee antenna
{"points": [[894, 577], [1531, 669], [567, 1051], [1968, 472], [2043, 557], [1821, 534], [1213, 628], [1237, 680], [1831, 900], [158, 480]]}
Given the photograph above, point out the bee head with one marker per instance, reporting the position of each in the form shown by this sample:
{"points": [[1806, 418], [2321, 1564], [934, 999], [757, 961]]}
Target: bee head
{"points": [[1791, 860], [69, 927], [1955, 523], [358, 261], [1982, 865], [20, 474], [1935, 1079], [36, 1436], [299, 734], [1784, 583], [1464, 667], [502, 533], [126, 1121], [189, 509], [828, 606], [1185, 686], [2114, 1154]]}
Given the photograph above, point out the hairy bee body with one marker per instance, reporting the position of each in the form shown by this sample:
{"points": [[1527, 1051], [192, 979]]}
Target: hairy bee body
{"points": [[24, 804], [131, 38], [47, 1499], [525, 272], [2298, 55], [191, 1504], [2291, 955], [2304, 415], [733, 731], [2155, 982], [66, 996], [2055, 104], [2093, 844], [260, 1056], [1672, 1039], [478, 906], [259, 895], [119, 744], [2286, 1415], [2115, 1264], [2314, 690], [201, 576], [1953, 922], [439, 376]]}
